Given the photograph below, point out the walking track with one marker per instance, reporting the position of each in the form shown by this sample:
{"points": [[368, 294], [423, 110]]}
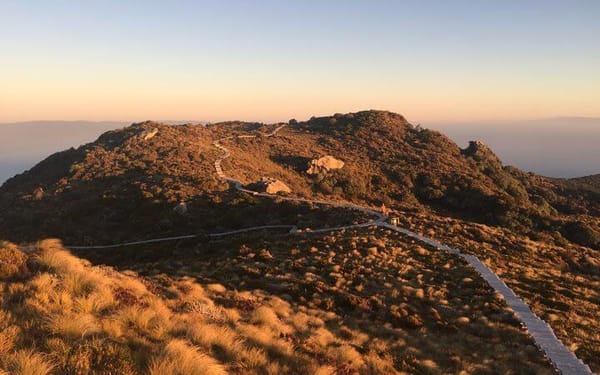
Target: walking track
{"points": [[563, 360]]}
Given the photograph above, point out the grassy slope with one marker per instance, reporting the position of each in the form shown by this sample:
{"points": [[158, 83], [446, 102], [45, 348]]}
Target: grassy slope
{"points": [[560, 283], [59, 315], [122, 188], [593, 180], [388, 160], [421, 310]]}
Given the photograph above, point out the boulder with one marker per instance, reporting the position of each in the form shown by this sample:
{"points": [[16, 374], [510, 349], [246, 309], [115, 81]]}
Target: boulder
{"points": [[324, 164], [481, 152], [181, 208], [272, 186], [38, 193], [149, 134]]}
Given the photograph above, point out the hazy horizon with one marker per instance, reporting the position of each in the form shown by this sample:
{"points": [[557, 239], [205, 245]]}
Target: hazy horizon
{"points": [[436, 61]]}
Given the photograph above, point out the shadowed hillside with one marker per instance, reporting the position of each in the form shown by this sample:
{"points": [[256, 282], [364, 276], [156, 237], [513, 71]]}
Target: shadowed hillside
{"points": [[123, 182]]}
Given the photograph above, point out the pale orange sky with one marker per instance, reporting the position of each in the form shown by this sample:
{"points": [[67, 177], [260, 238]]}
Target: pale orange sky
{"points": [[425, 104], [272, 61]]}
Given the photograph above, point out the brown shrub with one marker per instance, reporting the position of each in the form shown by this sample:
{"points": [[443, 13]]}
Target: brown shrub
{"points": [[13, 262], [99, 356]]}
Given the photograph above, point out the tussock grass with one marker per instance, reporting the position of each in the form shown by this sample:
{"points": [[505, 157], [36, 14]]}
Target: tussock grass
{"points": [[55, 259], [346, 354], [180, 358], [26, 362], [72, 326], [559, 281], [63, 316], [8, 337], [12, 261], [417, 310], [265, 316]]}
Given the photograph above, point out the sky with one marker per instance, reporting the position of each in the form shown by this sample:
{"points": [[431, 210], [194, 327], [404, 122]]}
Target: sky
{"points": [[433, 61]]}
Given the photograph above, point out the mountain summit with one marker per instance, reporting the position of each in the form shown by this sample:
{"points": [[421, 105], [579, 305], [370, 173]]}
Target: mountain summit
{"points": [[128, 176]]}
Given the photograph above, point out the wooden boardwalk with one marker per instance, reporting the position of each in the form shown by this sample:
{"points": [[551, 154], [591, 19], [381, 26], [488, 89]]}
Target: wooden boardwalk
{"points": [[561, 357], [563, 360]]}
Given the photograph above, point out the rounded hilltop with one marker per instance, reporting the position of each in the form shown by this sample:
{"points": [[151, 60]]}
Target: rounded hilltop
{"points": [[348, 122], [129, 177]]}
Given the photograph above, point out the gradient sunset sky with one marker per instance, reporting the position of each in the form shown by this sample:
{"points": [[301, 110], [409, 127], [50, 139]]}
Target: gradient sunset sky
{"points": [[274, 60]]}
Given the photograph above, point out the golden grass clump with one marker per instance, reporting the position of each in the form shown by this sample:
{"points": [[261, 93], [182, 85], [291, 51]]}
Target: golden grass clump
{"points": [[80, 284], [97, 302], [376, 364], [346, 354], [13, 262], [227, 345], [180, 358], [58, 260], [322, 337], [212, 335], [26, 362], [153, 321], [264, 316], [8, 337], [72, 326]]}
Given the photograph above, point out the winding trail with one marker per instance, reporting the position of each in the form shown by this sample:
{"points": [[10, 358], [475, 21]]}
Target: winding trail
{"points": [[563, 360], [379, 217]]}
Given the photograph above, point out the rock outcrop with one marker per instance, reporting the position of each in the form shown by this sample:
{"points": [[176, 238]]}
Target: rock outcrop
{"points": [[272, 186], [324, 164], [181, 208], [148, 134], [481, 152], [38, 193]]}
